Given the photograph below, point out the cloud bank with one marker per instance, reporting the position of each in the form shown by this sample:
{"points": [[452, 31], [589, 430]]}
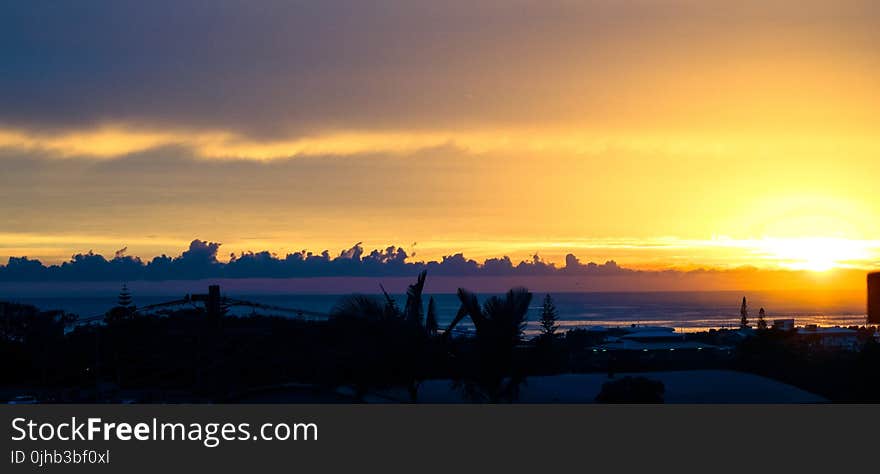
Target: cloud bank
{"points": [[200, 261]]}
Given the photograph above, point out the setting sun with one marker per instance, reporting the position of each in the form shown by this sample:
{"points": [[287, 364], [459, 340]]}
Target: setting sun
{"points": [[815, 254]]}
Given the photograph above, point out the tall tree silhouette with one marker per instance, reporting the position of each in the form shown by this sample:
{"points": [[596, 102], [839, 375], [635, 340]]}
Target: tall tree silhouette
{"points": [[744, 314], [124, 299], [549, 318], [762, 323], [124, 309]]}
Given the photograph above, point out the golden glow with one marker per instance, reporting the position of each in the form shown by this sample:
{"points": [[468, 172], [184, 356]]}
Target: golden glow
{"points": [[648, 201], [812, 254], [818, 254], [720, 138]]}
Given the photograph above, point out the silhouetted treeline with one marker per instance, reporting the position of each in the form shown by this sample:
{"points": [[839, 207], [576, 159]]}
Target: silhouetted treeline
{"points": [[367, 344], [200, 261]]}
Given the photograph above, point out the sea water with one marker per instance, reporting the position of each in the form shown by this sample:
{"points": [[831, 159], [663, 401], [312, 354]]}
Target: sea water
{"points": [[685, 311]]}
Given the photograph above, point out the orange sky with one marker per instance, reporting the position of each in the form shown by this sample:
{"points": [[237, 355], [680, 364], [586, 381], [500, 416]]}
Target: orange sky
{"points": [[659, 134]]}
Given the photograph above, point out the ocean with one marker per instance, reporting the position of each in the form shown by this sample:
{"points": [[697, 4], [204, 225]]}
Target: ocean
{"points": [[685, 311]]}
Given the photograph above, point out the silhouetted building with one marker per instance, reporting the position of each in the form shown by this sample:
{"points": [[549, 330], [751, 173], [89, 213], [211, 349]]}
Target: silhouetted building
{"points": [[783, 324], [836, 338], [874, 298]]}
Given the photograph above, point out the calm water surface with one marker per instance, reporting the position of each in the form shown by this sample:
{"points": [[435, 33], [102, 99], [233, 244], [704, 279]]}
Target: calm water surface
{"points": [[688, 311]]}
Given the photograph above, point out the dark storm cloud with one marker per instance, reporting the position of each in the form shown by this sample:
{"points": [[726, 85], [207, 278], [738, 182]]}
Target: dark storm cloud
{"points": [[271, 67], [237, 65], [200, 261]]}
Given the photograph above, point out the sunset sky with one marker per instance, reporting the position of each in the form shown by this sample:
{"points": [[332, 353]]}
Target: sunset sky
{"points": [[656, 133]]}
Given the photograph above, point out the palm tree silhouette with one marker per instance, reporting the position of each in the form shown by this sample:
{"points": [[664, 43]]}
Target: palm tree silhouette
{"points": [[499, 324], [413, 312], [387, 344], [403, 340], [500, 319]]}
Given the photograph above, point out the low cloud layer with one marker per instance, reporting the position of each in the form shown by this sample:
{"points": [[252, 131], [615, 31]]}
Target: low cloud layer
{"points": [[200, 261], [357, 270]]}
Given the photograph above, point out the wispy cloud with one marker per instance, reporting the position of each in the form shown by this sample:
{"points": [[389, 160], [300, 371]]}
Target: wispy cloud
{"points": [[116, 141]]}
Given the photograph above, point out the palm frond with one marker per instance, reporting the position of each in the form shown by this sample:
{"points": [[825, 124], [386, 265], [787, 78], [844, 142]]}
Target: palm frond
{"points": [[413, 312], [431, 325], [358, 307], [391, 309], [462, 312]]}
